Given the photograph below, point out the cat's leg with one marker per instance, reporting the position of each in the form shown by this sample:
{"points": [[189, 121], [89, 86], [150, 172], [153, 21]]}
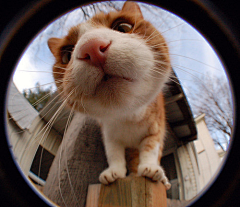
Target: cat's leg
{"points": [[148, 161], [117, 164]]}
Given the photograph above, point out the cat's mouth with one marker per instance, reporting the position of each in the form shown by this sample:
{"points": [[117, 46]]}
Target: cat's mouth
{"points": [[108, 77]]}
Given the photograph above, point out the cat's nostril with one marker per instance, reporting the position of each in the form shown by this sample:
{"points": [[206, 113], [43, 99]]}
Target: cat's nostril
{"points": [[103, 48], [94, 50], [86, 56]]}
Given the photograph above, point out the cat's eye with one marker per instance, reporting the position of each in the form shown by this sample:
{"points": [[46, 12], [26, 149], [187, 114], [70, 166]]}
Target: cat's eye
{"points": [[66, 54], [123, 27]]}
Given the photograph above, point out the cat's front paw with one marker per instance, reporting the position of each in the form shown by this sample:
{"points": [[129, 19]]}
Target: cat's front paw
{"points": [[155, 172], [111, 174]]}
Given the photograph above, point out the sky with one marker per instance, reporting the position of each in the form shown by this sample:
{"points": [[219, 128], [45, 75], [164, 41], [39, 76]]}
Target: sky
{"points": [[191, 55]]}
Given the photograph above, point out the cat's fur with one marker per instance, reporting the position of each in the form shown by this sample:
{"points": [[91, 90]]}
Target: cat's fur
{"points": [[113, 68]]}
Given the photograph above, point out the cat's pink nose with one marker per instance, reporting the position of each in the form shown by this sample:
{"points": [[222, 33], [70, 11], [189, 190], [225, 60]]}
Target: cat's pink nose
{"points": [[95, 51]]}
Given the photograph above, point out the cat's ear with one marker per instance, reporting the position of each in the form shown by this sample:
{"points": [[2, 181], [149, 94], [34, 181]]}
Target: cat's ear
{"points": [[130, 6], [53, 44]]}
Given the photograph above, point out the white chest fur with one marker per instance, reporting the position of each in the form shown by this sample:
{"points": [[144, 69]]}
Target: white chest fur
{"points": [[126, 133]]}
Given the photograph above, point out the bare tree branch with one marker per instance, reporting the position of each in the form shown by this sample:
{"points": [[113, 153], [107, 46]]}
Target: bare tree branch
{"points": [[212, 97]]}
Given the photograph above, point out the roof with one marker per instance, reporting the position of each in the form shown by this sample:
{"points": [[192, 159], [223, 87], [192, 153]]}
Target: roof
{"points": [[199, 118], [179, 114], [21, 111]]}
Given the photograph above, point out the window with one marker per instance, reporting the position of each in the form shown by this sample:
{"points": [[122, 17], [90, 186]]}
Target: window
{"points": [[41, 165], [169, 166]]}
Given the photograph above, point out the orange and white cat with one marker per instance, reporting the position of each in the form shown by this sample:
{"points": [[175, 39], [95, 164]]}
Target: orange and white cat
{"points": [[113, 68]]}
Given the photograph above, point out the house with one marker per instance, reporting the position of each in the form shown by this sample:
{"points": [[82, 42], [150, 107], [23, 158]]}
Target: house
{"points": [[27, 134], [189, 158], [209, 159]]}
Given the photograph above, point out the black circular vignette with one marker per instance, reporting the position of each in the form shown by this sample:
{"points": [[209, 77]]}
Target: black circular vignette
{"points": [[217, 20]]}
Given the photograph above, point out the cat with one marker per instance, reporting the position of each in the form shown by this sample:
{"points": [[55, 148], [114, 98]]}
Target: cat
{"points": [[114, 68]]}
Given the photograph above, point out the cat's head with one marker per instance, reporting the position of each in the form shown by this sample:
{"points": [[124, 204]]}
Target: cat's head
{"points": [[113, 64]]}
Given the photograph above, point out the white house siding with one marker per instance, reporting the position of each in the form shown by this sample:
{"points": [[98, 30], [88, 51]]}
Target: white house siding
{"points": [[208, 158], [26, 142], [188, 164], [46, 136], [198, 161], [23, 147]]}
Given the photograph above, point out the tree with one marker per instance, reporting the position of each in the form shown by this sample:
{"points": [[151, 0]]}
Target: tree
{"points": [[212, 97], [38, 97]]}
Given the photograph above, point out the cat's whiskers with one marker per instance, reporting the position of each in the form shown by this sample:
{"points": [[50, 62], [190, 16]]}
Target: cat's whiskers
{"points": [[191, 74], [33, 104], [162, 69], [55, 66], [39, 71], [149, 38], [134, 25], [36, 138], [58, 96], [50, 102], [59, 81], [59, 110], [158, 45], [42, 99], [174, 78], [153, 37], [49, 64], [145, 34], [64, 134], [156, 61], [180, 40], [173, 41], [156, 70], [85, 110], [186, 69], [195, 61], [47, 129], [182, 67], [45, 84], [164, 20], [183, 23]]}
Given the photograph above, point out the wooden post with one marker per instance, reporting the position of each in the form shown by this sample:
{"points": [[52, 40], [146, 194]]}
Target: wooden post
{"points": [[128, 192]]}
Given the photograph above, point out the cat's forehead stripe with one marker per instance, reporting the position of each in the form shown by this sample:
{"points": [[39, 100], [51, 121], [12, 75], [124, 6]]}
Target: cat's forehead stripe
{"points": [[101, 21], [84, 27], [72, 36]]}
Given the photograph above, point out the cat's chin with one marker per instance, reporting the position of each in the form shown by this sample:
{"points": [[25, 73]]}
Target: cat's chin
{"points": [[102, 108], [109, 77]]}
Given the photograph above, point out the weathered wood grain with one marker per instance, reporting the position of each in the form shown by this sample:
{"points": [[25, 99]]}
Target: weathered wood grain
{"points": [[131, 192], [93, 195], [156, 195]]}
